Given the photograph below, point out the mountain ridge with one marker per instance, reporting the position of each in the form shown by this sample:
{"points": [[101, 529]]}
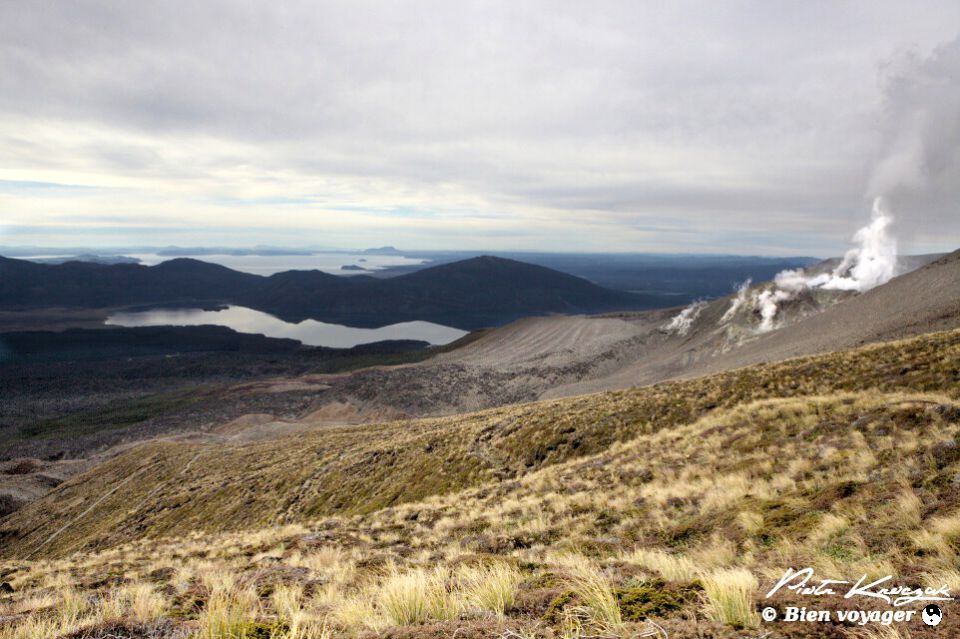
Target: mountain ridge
{"points": [[469, 294]]}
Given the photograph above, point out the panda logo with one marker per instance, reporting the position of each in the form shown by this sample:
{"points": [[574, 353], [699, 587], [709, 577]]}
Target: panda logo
{"points": [[931, 615]]}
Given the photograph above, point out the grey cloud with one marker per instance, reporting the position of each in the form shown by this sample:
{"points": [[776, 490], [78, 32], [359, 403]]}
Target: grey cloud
{"points": [[739, 114], [919, 164]]}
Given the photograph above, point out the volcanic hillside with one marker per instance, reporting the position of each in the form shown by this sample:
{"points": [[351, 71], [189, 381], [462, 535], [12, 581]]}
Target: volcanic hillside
{"points": [[588, 354]]}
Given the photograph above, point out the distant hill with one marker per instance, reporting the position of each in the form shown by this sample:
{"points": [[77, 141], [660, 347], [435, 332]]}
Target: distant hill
{"points": [[469, 294], [26, 284], [674, 278], [383, 250], [88, 257], [472, 293]]}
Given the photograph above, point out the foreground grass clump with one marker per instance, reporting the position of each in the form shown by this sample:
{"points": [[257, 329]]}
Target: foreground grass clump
{"points": [[670, 566], [600, 609], [730, 597], [492, 587], [146, 604], [229, 609], [417, 596], [686, 526]]}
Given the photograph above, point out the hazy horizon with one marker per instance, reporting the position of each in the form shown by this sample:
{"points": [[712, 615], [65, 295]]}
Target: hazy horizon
{"points": [[187, 251]]}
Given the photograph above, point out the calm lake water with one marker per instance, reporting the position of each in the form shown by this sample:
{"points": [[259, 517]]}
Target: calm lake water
{"points": [[270, 264], [310, 332]]}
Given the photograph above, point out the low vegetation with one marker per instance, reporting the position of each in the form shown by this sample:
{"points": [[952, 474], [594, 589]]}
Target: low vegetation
{"points": [[669, 509]]}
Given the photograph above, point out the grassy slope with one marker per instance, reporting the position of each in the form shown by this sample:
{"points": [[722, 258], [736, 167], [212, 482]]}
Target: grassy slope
{"points": [[846, 463], [162, 488]]}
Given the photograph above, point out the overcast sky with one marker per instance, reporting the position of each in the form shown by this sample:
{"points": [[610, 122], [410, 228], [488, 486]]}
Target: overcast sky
{"points": [[741, 127]]}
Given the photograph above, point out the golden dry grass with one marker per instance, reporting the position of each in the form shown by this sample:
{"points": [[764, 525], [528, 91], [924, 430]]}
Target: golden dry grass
{"points": [[702, 511]]}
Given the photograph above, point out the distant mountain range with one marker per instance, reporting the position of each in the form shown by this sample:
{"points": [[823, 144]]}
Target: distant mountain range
{"points": [[469, 294], [87, 257]]}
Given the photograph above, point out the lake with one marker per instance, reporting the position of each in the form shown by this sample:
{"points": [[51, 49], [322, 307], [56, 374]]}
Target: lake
{"points": [[331, 262], [309, 332]]}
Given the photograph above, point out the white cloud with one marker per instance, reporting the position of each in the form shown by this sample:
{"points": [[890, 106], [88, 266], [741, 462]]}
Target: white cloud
{"points": [[739, 127]]}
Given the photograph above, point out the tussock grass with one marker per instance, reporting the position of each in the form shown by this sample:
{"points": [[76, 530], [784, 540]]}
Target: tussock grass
{"points": [[145, 603], [363, 469], [30, 603], [670, 567], [73, 603], [229, 610], [880, 632], [492, 587], [831, 525], [38, 628], [908, 506], [417, 596], [113, 606], [600, 608], [730, 595], [74, 610], [946, 576], [854, 478], [358, 612], [574, 623]]}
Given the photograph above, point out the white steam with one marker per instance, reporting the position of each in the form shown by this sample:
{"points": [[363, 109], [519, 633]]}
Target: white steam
{"points": [[872, 262], [681, 323], [918, 170], [743, 293], [767, 303], [918, 166]]}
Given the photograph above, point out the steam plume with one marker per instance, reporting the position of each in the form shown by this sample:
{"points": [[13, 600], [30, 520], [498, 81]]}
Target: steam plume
{"points": [[918, 169], [681, 323], [743, 292], [871, 263]]}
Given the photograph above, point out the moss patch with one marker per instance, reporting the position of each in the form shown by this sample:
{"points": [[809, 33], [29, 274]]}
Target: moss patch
{"points": [[655, 598]]}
